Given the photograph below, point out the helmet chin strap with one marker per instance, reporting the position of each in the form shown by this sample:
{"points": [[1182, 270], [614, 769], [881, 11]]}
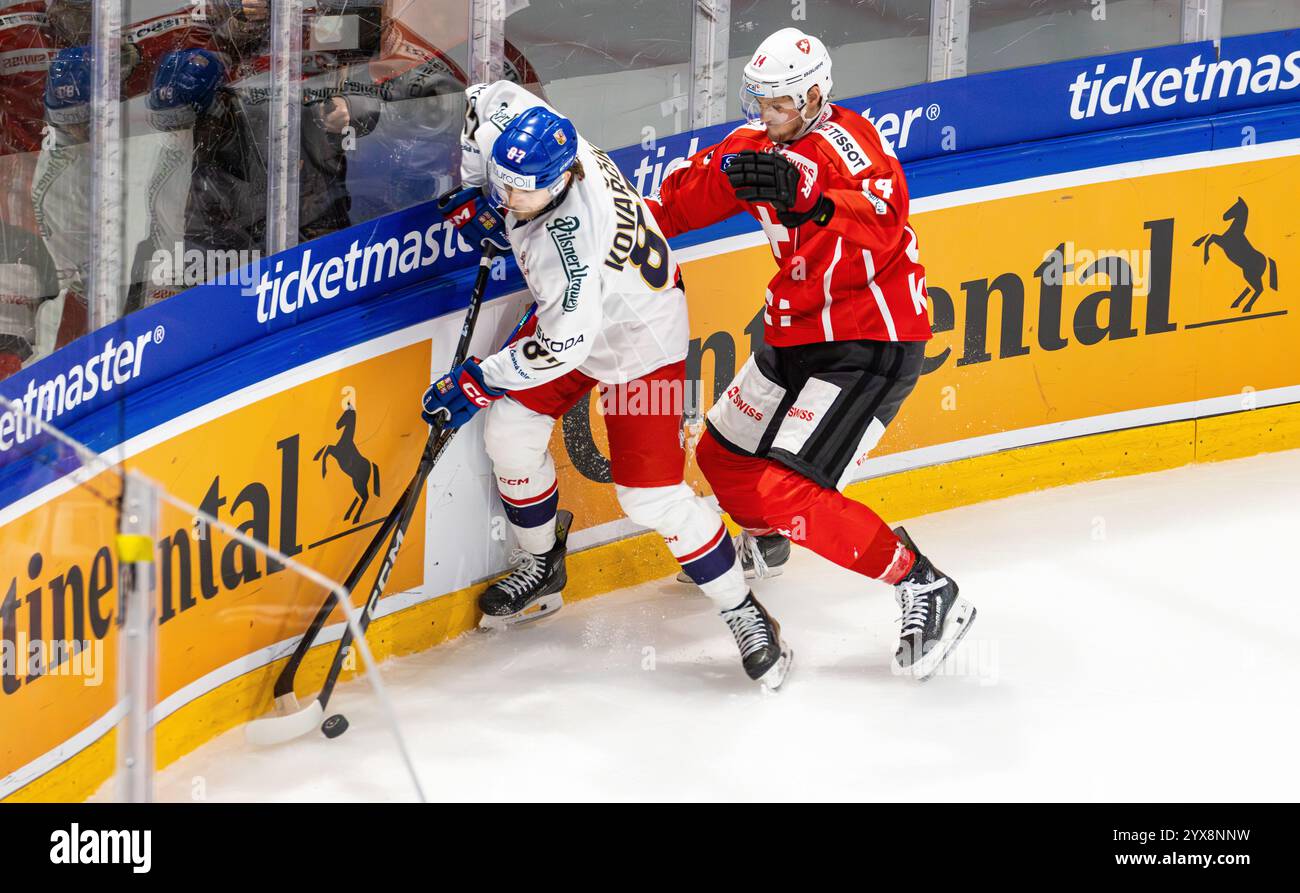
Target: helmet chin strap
{"points": [[809, 122]]}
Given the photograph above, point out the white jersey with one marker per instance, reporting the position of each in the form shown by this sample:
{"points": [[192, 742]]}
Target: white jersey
{"points": [[603, 276]]}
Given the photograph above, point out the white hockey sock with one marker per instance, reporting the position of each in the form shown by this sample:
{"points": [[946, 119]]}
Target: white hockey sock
{"points": [[531, 500], [694, 534]]}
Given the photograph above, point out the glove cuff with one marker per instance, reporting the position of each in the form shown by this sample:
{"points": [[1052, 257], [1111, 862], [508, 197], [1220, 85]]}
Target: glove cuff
{"points": [[820, 214], [476, 371]]}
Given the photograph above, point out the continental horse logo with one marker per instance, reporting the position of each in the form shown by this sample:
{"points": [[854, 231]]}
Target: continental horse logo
{"points": [[1237, 248], [349, 458]]}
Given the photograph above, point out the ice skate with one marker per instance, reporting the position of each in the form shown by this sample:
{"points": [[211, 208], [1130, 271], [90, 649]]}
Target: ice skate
{"points": [[534, 589], [765, 655], [935, 617]]}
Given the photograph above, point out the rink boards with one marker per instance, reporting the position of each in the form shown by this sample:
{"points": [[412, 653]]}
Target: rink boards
{"points": [[1042, 372]]}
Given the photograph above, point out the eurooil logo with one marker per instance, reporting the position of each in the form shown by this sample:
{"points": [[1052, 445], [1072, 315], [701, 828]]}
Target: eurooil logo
{"points": [[1237, 248], [360, 470]]}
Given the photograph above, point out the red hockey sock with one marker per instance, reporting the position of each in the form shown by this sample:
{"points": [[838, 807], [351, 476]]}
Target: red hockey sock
{"points": [[75, 321], [760, 493], [832, 525], [734, 479]]}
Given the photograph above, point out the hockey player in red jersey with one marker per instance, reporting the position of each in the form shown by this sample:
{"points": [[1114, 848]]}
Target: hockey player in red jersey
{"points": [[845, 326]]}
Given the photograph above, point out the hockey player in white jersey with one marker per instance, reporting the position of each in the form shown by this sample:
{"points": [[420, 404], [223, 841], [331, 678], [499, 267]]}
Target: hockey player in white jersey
{"points": [[611, 314]]}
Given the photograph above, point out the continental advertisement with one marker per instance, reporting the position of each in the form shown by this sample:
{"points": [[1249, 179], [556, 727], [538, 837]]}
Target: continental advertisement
{"points": [[310, 470], [1093, 307], [1100, 304]]}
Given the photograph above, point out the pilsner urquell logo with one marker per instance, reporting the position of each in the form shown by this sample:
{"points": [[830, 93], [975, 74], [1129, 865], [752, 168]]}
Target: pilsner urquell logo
{"points": [[562, 231]]}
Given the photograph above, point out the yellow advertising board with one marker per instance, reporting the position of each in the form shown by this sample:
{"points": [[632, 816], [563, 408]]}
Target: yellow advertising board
{"points": [[310, 471]]}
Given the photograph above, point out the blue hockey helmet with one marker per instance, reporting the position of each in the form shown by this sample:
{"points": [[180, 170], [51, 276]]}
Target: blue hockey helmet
{"points": [[67, 88], [184, 87], [532, 153]]}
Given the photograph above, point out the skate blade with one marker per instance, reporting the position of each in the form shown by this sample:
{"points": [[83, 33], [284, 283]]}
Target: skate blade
{"points": [[955, 628], [774, 678], [543, 607]]}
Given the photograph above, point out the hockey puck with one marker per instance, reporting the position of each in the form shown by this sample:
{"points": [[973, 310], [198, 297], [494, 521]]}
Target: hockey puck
{"points": [[334, 726]]}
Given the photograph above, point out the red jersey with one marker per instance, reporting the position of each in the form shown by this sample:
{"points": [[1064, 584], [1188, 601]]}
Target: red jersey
{"points": [[26, 51], [151, 40], [857, 277]]}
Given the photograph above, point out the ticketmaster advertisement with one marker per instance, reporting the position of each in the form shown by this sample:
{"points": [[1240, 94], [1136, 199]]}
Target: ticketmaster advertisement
{"points": [[1097, 298]]}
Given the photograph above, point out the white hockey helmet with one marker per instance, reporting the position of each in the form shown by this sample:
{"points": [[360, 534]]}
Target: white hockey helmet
{"points": [[788, 63]]}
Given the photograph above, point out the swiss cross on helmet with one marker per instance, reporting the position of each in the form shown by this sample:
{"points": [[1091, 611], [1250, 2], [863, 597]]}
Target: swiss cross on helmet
{"points": [[532, 152], [788, 63]]}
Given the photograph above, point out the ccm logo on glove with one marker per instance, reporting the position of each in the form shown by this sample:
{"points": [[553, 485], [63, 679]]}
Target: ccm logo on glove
{"points": [[477, 397], [453, 400], [474, 218], [789, 187], [462, 215]]}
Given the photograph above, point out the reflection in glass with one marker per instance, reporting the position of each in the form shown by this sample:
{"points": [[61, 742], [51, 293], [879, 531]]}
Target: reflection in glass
{"points": [[874, 44], [380, 118], [1255, 16], [1012, 33], [34, 286], [620, 71]]}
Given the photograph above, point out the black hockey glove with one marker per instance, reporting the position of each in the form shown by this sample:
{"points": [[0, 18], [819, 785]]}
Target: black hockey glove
{"points": [[772, 178]]}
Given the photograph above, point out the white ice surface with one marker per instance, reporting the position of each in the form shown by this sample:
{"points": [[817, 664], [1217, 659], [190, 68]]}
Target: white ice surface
{"points": [[1137, 639]]}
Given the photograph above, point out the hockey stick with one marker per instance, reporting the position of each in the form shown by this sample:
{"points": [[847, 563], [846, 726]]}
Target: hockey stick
{"points": [[292, 720]]}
